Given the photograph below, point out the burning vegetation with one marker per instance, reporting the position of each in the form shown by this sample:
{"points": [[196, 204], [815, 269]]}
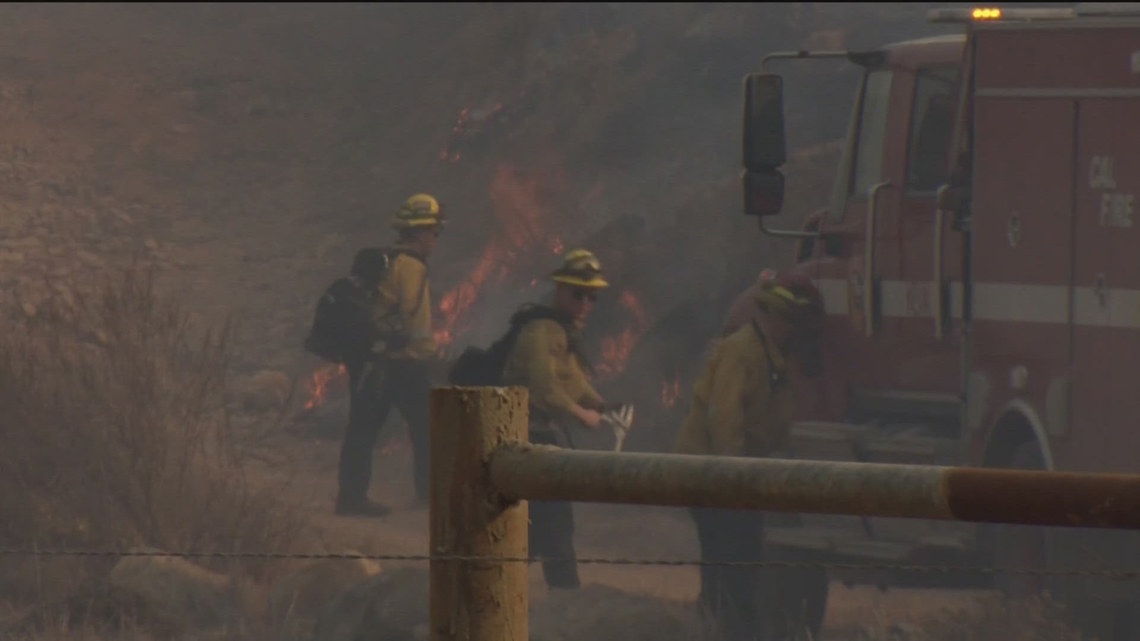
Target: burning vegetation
{"points": [[321, 382], [522, 243], [670, 391], [548, 188], [526, 239], [616, 350]]}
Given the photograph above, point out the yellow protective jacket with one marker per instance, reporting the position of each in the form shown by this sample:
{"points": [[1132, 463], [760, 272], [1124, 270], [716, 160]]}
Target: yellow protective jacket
{"points": [[738, 409], [403, 306], [744, 309], [555, 378]]}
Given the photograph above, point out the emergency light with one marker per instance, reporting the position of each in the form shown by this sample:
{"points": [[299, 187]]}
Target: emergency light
{"points": [[995, 14]]}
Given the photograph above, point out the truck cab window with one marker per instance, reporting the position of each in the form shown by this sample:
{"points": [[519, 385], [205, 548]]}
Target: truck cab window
{"points": [[868, 168], [931, 125]]}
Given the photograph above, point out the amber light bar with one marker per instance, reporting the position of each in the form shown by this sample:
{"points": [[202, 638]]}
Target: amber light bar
{"points": [[997, 14]]}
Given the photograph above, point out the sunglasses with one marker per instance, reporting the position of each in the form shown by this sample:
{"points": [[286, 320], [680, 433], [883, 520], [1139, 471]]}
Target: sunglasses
{"points": [[584, 295]]}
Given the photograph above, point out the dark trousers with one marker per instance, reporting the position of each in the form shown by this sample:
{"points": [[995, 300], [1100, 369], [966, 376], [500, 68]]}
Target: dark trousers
{"points": [[729, 594], [552, 532], [403, 384]]}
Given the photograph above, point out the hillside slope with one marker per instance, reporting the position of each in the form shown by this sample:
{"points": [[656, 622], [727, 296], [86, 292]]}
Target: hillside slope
{"points": [[248, 149]]}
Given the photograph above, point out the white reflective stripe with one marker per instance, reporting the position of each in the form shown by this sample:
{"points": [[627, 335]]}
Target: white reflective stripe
{"points": [[1087, 309], [894, 298], [1057, 92], [1001, 302], [1021, 303], [1120, 307], [899, 298], [834, 293]]}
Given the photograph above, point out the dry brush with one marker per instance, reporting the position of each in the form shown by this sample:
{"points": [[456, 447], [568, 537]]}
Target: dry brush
{"points": [[116, 436]]}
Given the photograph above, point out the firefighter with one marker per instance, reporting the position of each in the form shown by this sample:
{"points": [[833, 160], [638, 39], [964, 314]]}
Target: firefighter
{"points": [[744, 307], [742, 406], [397, 372], [546, 359]]}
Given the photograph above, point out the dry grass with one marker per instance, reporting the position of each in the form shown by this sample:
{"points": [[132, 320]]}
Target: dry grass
{"points": [[987, 619], [602, 613], [112, 414]]}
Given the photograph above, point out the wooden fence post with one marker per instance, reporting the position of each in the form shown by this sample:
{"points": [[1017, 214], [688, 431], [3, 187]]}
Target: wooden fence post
{"points": [[483, 600]]}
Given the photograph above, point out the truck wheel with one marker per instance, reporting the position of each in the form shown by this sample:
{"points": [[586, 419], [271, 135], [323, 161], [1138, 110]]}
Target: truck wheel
{"points": [[1021, 546], [793, 603]]}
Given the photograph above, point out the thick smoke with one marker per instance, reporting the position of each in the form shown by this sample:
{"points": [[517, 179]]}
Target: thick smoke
{"points": [[625, 123], [278, 141]]}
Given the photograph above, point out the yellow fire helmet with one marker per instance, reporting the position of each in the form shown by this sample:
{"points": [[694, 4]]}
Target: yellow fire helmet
{"points": [[420, 210], [580, 268], [795, 298]]}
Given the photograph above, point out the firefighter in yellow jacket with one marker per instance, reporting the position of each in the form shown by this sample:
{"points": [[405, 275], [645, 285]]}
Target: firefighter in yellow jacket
{"points": [[742, 406], [547, 361], [397, 372]]}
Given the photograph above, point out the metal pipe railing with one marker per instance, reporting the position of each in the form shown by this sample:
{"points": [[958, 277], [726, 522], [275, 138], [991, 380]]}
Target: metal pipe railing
{"points": [[483, 468], [978, 495]]}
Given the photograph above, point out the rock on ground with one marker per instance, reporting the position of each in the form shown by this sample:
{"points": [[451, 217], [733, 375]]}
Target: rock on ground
{"points": [[267, 390], [392, 606], [302, 594], [169, 584]]}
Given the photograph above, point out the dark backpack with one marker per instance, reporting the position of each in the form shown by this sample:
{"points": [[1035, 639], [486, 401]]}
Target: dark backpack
{"points": [[478, 367], [342, 325]]}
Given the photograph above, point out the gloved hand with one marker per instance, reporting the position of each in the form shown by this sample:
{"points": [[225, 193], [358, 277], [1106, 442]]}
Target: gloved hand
{"points": [[620, 418]]}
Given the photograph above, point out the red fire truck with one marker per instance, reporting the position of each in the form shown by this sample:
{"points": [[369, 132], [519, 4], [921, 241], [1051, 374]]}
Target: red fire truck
{"points": [[983, 288]]}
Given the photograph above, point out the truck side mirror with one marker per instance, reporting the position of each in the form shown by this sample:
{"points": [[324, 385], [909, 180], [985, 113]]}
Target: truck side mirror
{"points": [[764, 143], [763, 192]]}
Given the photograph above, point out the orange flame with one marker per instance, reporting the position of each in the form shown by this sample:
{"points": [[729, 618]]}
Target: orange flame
{"points": [[321, 382], [465, 125], [616, 350], [518, 199], [455, 304], [671, 391], [457, 130]]}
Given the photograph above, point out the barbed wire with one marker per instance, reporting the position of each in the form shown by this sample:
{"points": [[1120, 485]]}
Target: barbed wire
{"points": [[772, 564]]}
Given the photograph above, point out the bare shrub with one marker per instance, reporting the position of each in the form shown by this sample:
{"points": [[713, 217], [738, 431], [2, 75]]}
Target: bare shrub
{"points": [[112, 415]]}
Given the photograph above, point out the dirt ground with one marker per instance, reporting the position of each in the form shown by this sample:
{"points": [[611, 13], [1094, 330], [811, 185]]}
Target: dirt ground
{"points": [[603, 531]]}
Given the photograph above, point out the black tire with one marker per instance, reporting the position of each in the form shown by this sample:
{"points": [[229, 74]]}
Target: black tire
{"points": [[793, 602], [1020, 546], [1026, 546]]}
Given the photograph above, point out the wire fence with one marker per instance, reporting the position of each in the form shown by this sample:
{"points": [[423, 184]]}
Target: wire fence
{"points": [[1116, 574]]}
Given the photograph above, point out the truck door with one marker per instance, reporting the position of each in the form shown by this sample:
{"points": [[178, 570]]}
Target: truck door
{"points": [[1106, 395], [866, 213], [903, 387], [897, 161], [839, 264], [927, 245]]}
